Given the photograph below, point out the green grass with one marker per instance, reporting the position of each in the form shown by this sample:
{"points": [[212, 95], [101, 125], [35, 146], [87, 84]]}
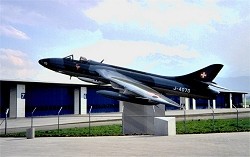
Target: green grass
{"points": [[192, 127], [220, 125], [107, 130]]}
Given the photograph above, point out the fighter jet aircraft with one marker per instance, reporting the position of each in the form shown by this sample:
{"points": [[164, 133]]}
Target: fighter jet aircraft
{"points": [[136, 86]]}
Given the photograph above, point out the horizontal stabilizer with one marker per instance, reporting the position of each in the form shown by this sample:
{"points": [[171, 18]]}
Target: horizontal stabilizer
{"points": [[215, 85]]}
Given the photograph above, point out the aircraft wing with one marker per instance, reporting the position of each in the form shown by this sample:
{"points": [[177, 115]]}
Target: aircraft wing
{"points": [[214, 85], [136, 87]]}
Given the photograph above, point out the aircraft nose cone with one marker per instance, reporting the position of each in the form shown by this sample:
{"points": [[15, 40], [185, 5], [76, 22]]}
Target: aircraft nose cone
{"points": [[43, 62], [56, 64]]}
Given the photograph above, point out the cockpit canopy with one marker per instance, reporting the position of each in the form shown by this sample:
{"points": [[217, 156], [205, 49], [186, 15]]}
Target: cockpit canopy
{"points": [[71, 57], [83, 59]]}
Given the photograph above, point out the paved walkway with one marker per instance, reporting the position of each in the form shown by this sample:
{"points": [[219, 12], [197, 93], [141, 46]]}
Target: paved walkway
{"points": [[50, 122], [223, 144]]}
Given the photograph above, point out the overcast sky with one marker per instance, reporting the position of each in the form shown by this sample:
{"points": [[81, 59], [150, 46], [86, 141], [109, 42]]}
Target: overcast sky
{"points": [[166, 37]]}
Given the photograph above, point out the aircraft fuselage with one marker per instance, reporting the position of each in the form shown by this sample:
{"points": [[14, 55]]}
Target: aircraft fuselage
{"points": [[165, 85]]}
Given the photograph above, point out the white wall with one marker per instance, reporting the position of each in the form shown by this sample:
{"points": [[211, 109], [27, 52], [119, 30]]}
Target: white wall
{"points": [[17, 101], [76, 101], [83, 108], [185, 101], [20, 100], [13, 102]]}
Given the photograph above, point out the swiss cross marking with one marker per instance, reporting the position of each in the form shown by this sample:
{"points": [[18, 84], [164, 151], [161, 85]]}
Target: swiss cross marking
{"points": [[203, 75]]}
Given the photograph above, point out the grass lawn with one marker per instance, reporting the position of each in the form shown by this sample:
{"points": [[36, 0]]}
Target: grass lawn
{"points": [[220, 125], [192, 127]]}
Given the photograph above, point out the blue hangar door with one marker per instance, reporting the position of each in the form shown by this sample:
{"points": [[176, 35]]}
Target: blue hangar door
{"points": [[100, 103], [48, 99]]}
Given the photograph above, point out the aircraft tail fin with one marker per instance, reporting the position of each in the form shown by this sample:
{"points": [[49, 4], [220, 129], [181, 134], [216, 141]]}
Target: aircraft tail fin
{"points": [[206, 74]]}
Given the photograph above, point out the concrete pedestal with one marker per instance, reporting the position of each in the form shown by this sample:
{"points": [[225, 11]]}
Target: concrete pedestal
{"points": [[30, 133], [164, 126], [139, 119]]}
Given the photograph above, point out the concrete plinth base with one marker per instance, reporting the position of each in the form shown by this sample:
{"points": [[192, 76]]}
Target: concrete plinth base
{"points": [[164, 126], [30, 133], [139, 119]]}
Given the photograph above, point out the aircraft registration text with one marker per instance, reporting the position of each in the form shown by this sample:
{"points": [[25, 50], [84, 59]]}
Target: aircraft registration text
{"points": [[182, 89]]}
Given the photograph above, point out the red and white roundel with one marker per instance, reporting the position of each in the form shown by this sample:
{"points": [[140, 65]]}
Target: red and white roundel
{"points": [[77, 67]]}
